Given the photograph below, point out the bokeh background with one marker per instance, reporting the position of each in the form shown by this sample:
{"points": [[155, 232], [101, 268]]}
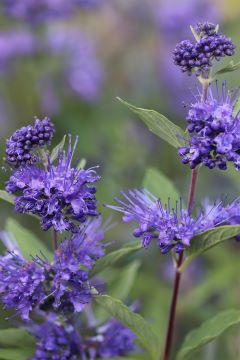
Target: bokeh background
{"points": [[70, 64]]}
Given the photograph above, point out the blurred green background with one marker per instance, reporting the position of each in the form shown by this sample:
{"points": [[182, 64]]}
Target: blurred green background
{"points": [[72, 70]]}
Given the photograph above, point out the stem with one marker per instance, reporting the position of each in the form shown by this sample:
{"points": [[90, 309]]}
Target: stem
{"points": [[54, 240], [172, 315], [191, 196]]}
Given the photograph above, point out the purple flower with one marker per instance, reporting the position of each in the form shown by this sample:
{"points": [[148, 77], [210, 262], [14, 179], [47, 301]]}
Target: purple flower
{"points": [[72, 261], [20, 146], [171, 228], [15, 43], [21, 284], [199, 56], [117, 340], [55, 341], [214, 132], [43, 10], [82, 68], [60, 195]]}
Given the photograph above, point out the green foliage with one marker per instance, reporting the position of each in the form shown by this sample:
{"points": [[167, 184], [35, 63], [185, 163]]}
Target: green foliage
{"points": [[160, 185], [236, 109], [159, 125], [16, 344], [27, 241], [146, 336], [7, 197], [57, 149], [208, 331], [229, 68], [114, 256], [208, 239]]}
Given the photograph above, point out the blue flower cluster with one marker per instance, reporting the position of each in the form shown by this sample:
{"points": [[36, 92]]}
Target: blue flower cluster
{"points": [[64, 342], [62, 196], [214, 133], [171, 228], [198, 57], [63, 285], [24, 140]]}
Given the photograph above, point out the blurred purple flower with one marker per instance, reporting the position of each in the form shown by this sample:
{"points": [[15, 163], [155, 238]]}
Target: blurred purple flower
{"points": [[43, 10], [83, 70], [15, 43]]}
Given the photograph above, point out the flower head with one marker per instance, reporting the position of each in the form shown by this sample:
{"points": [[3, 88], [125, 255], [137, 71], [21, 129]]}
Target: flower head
{"points": [[214, 132], [171, 228], [61, 195], [20, 146], [199, 56], [21, 284]]}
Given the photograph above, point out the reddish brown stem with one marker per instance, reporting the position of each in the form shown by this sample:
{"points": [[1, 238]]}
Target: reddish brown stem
{"points": [[54, 240], [172, 315]]}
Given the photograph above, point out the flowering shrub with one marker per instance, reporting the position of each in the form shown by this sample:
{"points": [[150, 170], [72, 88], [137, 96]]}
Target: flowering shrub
{"points": [[58, 295]]}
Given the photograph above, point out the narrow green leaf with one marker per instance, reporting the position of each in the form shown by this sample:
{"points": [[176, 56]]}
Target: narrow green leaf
{"points": [[123, 285], [27, 241], [58, 148], [195, 34], [161, 186], [82, 163], [208, 331], [16, 354], [15, 338], [7, 197], [146, 336], [114, 256], [159, 125], [229, 68], [236, 109], [208, 239]]}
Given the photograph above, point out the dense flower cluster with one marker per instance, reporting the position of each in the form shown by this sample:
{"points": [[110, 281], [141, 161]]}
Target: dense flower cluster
{"points": [[24, 140], [171, 228], [43, 10], [15, 43], [214, 133], [199, 56], [21, 284], [60, 195], [63, 285], [64, 342]]}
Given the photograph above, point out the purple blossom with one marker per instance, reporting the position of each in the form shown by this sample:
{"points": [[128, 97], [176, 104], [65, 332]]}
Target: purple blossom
{"points": [[60, 195], [83, 69], [72, 262], [199, 56], [117, 340], [64, 341], [55, 341], [171, 228], [214, 132], [44, 10], [21, 284], [15, 43], [20, 146]]}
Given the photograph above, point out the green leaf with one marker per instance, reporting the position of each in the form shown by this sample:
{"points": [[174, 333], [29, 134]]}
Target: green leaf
{"points": [[82, 163], [27, 241], [208, 239], [123, 285], [114, 256], [229, 68], [146, 336], [159, 125], [7, 197], [207, 332], [16, 354], [57, 150], [161, 186], [236, 108], [15, 338]]}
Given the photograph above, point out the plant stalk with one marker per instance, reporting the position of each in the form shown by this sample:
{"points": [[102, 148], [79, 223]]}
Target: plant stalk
{"points": [[54, 240]]}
